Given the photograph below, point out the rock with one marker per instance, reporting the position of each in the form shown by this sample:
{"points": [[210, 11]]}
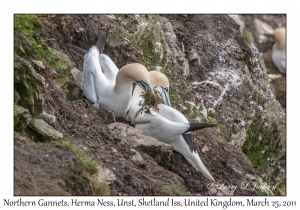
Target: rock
{"points": [[18, 110], [238, 138], [237, 19], [205, 148], [22, 118], [75, 85], [106, 175], [137, 140], [39, 65], [47, 117], [46, 131], [77, 77], [80, 30], [137, 158], [251, 177], [28, 86]]}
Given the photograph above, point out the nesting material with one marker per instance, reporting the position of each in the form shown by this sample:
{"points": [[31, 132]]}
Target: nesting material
{"points": [[151, 101]]}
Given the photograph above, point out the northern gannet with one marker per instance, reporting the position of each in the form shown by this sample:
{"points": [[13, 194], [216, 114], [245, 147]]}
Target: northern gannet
{"points": [[168, 125], [160, 84], [104, 84], [278, 50]]}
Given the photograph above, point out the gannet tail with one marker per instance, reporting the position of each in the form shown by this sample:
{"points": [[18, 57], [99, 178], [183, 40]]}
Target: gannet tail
{"points": [[198, 126]]}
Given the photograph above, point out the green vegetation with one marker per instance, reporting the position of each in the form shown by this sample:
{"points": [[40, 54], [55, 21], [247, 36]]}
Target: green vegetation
{"points": [[28, 86], [28, 44], [260, 146], [261, 193], [85, 172], [276, 192], [89, 164]]}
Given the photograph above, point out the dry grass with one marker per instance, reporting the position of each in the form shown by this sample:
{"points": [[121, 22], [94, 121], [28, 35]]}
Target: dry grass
{"points": [[151, 101]]}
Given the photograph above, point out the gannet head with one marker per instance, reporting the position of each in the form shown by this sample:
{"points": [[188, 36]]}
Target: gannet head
{"points": [[138, 73], [279, 35], [160, 83]]}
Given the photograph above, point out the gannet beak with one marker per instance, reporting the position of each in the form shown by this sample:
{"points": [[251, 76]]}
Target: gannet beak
{"points": [[165, 95], [145, 86]]}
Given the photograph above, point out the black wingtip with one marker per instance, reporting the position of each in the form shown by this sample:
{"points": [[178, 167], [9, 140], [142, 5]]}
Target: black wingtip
{"points": [[76, 49], [103, 39], [198, 126]]}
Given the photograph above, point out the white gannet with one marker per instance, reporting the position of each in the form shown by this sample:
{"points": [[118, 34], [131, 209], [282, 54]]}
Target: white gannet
{"points": [[112, 95], [168, 125], [160, 84], [278, 50], [104, 84]]}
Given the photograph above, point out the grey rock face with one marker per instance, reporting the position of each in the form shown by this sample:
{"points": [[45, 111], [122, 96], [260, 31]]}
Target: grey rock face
{"points": [[45, 130], [136, 139], [28, 86], [75, 85]]}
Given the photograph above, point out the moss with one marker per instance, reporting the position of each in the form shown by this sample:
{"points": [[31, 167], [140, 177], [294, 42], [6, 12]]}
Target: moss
{"points": [[149, 57], [121, 16], [261, 193], [82, 183], [260, 147], [84, 173], [28, 44], [89, 164], [21, 121], [276, 192], [28, 87]]}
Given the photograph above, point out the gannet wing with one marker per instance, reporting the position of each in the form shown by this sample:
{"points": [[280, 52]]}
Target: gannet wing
{"points": [[109, 67], [94, 82], [102, 39], [171, 114], [76, 49], [163, 129]]}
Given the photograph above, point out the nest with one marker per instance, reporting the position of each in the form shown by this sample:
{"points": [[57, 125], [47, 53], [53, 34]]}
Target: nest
{"points": [[151, 101]]}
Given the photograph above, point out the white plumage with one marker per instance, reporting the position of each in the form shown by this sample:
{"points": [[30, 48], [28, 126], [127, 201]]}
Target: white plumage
{"points": [[104, 84], [168, 125]]}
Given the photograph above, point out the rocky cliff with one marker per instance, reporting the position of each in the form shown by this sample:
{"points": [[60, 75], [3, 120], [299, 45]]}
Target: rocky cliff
{"points": [[64, 145]]}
